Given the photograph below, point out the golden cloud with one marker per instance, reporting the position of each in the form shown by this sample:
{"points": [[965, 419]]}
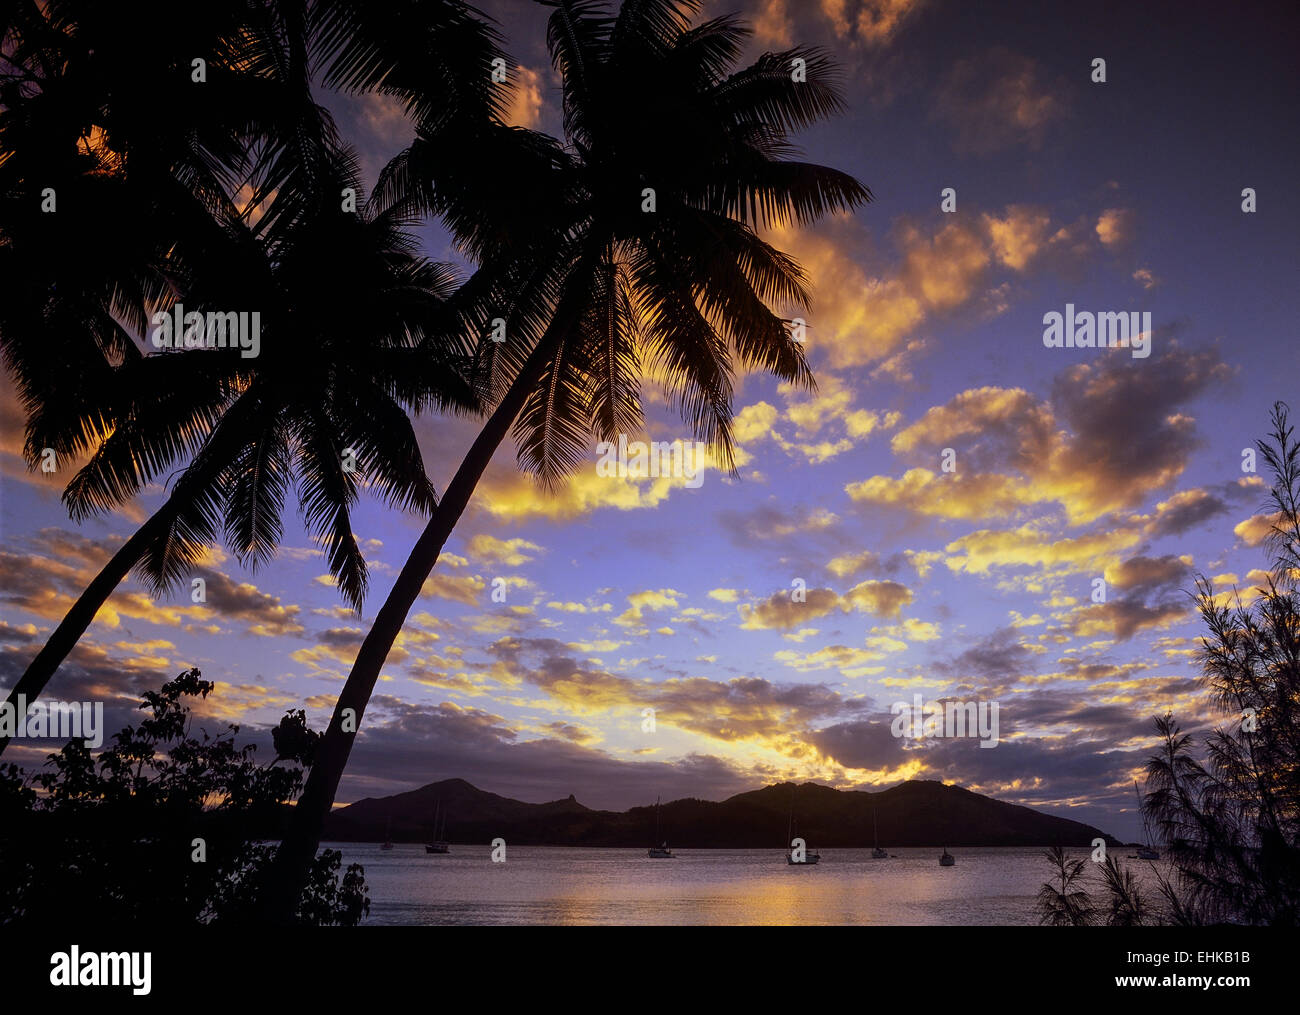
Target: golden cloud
{"points": [[1027, 546], [507, 552]]}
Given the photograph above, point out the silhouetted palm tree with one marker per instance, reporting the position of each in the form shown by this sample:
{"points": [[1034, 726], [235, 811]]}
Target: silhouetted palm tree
{"points": [[592, 284], [355, 326], [354, 333]]}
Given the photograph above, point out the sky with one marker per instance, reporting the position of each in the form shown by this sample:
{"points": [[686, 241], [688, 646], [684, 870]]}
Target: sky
{"points": [[975, 584]]}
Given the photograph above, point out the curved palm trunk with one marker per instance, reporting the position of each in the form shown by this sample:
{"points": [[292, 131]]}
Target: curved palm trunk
{"points": [[302, 840], [65, 637], [73, 626]]}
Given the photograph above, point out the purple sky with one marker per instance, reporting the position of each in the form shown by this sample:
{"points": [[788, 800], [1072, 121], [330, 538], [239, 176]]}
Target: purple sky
{"points": [[1071, 464]]}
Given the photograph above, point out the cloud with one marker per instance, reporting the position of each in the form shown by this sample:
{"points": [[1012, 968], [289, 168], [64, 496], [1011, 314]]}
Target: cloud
{"points": [[1187, 509], [1123, 618], [1018, 234], [567, 607], [508, 494], [859, 317], [650, 599], [997, 100], [526, 99], [852, 564], [467, 589], [508, 552], [955, 495], [47, 588], [1142, 576], [1131, 434], [781, 611], [772, 25], [870, 305], [1112, 433], [870, 23], [829, 408], [1028, 546], [1115, 227], [753, 422], [265, 614], [1255, 529], [851, 662], [1144, 278], [404, 745], [774, 521], [879, 598], [740, 709], [867, 744], [997, 660]]}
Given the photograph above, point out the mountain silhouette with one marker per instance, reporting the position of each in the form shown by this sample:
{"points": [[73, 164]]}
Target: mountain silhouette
{"points": [[915, 813]]}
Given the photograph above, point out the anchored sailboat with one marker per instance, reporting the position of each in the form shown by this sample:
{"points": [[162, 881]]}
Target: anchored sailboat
{"points": [[809, 855], [388, 836], [439, 844], [946, 859], [1146, 851], [877, 853], [659, 852]]}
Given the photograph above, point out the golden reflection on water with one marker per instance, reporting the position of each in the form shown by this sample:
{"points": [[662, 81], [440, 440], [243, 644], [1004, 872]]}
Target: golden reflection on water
{"points": [[560, 886]]}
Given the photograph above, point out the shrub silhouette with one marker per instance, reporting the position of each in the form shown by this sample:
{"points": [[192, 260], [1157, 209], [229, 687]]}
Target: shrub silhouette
{"points": [[114, 835], [1229, 818]]}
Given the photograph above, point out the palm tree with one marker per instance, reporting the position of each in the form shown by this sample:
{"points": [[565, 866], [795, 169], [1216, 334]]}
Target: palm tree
{"points": [[111, 157], [354, 335], [99, 129], [592, 286], [335, 373]]}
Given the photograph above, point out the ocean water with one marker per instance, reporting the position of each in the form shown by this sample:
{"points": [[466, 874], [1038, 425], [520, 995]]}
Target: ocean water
{"points": [[569, 886]]}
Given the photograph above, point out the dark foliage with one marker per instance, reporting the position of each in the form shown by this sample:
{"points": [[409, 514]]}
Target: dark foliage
{"points": [[117, 835], [1229, 814]]}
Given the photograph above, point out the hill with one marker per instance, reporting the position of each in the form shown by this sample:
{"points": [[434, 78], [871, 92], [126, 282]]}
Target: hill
{"points": [[915, 813]]}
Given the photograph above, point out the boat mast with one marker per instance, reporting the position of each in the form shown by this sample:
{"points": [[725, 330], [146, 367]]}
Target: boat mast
{"points": [[1146, 830]]}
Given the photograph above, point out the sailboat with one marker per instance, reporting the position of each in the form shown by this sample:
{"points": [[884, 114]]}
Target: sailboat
{"points": [[439, 844], [659, 852], [946, 859], [1146, 851], [877, 853], [810, 856], [388, 836]]}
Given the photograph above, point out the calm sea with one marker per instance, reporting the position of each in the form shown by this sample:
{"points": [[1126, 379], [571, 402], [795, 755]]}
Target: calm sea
{"points": [[557, 885]]}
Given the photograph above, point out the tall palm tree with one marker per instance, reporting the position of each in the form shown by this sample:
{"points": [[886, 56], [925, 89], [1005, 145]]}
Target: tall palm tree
{"points": [[81, 116], [593, 287], [356, 330]]}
